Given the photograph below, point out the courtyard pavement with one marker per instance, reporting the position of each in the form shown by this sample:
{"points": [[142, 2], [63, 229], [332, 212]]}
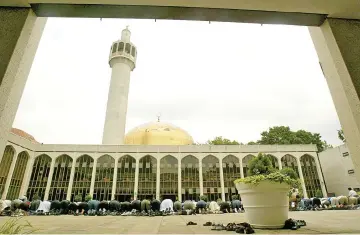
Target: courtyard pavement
{"points": [[324, 222]]}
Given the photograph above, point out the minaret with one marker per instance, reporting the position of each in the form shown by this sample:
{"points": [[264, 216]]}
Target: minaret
{"points": [[122, 61]]}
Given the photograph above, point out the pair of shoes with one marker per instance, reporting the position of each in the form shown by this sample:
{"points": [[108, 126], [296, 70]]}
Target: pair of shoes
{"points": [[191, 223], [301, 223], [207, 224], [218, 227]]}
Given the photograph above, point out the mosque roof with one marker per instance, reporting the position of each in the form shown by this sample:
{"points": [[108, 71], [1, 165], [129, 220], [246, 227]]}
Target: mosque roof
{"points": [[23, 134]]}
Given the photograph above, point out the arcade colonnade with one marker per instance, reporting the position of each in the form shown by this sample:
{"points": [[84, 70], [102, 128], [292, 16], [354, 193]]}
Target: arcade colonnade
{"points": [[59, 175]]}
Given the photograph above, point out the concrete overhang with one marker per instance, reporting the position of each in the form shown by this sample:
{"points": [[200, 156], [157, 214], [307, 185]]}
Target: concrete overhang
{"points": [[294, 12]]}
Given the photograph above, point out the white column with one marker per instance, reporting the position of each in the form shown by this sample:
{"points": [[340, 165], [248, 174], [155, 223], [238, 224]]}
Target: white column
{"points": [[336, 42], [201, 178], [113, 190], [20, 31], [27, 175], [301, 178], [179, 182], [321, 179], [136, 183], [279, 162], [71, 181], [222, 180], [158, 179], [48, 185], [93, 175], [9, 176], [241, 168]]}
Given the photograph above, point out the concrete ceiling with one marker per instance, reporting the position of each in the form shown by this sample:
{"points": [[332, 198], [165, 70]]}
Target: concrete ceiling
{"points": [[283, 11]]}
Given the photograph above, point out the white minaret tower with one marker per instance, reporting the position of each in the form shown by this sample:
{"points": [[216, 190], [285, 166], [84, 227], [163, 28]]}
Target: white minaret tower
{"points": [[122, 60]]}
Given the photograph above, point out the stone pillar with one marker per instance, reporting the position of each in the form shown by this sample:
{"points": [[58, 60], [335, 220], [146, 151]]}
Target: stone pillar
{"points": [[93, 175], [241, 168], [222, 180], [136, 183], [201, 178], [20, 31], [113, 190], [27, 175], [71, 180], [337, 43], [8, 179], [301, 178], [158, 179], [179, 182], [48, 185], [321, 179], [279, 162]]}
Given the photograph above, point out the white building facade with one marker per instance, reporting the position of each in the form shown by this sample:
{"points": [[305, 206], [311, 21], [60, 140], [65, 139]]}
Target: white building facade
{"points": [[59, 172], [338, 170]]}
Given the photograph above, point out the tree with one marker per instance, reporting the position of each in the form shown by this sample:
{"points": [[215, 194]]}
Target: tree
{"points": [[341, 135], [219, 140], [283, 135]]}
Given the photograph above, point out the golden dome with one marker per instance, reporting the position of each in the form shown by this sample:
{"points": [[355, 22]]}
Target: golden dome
{"points": [[158, 133]]}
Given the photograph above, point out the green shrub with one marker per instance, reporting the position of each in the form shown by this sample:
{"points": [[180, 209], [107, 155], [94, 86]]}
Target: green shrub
{"points": [[289, 172], [235, 197], [318, 194], [36, 197], [274, 177], [78, 198], [204, 198], [145, 205], [260, 165], [34, 205], [189, 205], [177, 206], [88, 198]]}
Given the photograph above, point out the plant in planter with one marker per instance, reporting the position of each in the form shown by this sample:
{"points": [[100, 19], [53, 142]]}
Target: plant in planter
{"points": [[265, 193]]}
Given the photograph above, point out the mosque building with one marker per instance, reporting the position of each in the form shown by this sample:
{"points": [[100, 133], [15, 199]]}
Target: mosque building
{"points": [[153, 160]]}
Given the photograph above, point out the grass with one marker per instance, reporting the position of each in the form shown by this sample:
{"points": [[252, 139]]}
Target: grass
{"points": [[14, 226]]}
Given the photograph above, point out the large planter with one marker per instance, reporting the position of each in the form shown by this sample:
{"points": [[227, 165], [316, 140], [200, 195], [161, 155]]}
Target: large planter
{"points": [[266, 204]]}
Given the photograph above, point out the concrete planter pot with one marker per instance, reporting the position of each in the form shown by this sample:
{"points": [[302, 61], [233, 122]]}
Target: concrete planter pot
{"points": [[266, 204]]}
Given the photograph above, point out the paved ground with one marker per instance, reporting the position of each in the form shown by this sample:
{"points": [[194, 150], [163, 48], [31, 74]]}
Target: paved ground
{"points": [[318, 222]]}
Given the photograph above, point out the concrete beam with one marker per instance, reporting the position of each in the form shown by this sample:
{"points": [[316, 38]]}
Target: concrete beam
{"points": [[177, 13]]}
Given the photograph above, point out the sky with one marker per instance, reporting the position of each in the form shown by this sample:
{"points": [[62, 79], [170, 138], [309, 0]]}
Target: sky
{"points": [[211, 79]]}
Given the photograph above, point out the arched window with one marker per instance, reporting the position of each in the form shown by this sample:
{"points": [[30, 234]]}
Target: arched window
{"points": [[39, 176], [125, 178], [211, 177], [147, 177], [61, 177], [133, 51], [82, 177], [114, 48], [231, 171], [18, 176], [5, 166], [121, 47], [104, 177], [169, 178], [190, 184], [127, 48]]}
